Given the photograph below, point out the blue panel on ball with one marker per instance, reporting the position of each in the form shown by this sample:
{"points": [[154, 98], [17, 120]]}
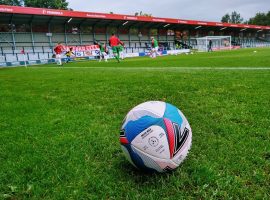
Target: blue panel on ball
{"points": [[133, 128], [136, 159], [171, 113]]}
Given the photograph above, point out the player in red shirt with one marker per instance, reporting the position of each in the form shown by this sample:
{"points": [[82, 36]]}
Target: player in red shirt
{"points": [[114, 43], [58, 51]]}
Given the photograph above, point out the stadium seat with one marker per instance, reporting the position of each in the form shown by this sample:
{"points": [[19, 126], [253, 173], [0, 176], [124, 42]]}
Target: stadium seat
{"points": [[47, 49], [2, 58], [21, 57], [43, 56], [38, 50], [11, 57], [8, 50], [27, 49], [33, 56]]}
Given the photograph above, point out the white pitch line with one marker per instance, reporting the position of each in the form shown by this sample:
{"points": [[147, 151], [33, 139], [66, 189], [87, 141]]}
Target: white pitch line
{"points": [[160, 68]]}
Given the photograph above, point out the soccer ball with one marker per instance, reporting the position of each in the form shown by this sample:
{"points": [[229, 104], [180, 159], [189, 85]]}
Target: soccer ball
{"points": [[155, 136]]}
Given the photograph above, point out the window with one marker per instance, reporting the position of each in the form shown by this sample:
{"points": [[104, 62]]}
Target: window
{"points": [[162, 32], [145, 31], [100, 30], [5, 28], [134, 31], [86, 29], [57, 28], [211, 33], [23, 28], [178, 35], [111, 30], [123, 31], [170, 32], [153, 32], [40, 28]]}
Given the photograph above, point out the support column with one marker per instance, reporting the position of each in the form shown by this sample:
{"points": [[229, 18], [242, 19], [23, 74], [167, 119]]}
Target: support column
{"points": [[94, 34], [50, 37], [140, 37], [149, 36], [117, 31], [167, 38], [188, 37], [12, 32], [174, 38], [13, 36], [65, 28], [129, 38], [106, 34], [32, 37], [80, 34]]}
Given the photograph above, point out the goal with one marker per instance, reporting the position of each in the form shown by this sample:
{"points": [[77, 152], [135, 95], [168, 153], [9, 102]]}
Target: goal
{"points": [[218, 43]]}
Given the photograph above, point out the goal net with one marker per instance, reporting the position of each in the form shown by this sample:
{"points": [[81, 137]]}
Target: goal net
{"points": [[214, 43]]}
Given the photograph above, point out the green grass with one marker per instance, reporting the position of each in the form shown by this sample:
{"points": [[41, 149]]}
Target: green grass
{"points": [[59, 128]]}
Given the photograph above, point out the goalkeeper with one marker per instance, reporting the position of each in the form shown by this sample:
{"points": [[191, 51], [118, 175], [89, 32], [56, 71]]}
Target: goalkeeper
{"points": [[115, 44]]}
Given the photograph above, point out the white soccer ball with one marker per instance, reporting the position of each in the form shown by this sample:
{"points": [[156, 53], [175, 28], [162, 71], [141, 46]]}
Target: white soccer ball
{"points": [[155, 136], [254, 51]]}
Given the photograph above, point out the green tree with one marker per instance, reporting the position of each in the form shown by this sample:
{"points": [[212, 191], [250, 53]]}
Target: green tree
{"points": [[234, 18], [226, 18], [260, 19], [54, 4], [142, 14], [10, 2]]}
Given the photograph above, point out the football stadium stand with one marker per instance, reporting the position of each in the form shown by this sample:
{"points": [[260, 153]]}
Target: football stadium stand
{"points": [[31, 33]]}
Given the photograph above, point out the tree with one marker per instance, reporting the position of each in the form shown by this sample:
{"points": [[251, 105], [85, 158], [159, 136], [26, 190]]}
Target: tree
{"points": [[142, 14], [54, 4], [260, 19], [234, 18], [226, 18], [11, 2]]}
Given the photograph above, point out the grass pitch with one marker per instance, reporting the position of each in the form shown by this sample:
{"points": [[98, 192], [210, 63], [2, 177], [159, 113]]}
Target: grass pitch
{"points": [[59, 127]]}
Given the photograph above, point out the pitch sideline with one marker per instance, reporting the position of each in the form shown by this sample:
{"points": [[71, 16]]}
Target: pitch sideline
{"points": [[158, 68]]}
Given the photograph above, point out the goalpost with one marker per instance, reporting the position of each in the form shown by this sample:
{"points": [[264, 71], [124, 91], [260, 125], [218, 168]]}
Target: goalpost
{"points": [[218, 43]]}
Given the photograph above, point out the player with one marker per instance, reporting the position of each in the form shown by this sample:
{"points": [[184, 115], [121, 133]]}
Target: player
{"points": [[122, 53], [103, 52], [154, 50], [58, 51], [210, 46], [114, 43], [69, 54]]}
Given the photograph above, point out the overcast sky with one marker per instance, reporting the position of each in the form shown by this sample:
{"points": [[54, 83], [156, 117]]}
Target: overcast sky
{"points": [[208, 10]]}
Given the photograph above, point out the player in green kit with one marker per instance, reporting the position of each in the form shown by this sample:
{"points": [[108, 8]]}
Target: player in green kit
{"points": [[154, 50], [103, 50]]}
